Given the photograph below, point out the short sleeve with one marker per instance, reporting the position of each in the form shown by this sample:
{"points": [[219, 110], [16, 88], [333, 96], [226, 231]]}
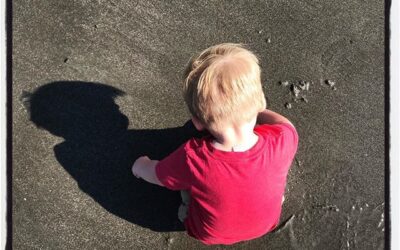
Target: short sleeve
{"points": [[173, 171], [283, 141]]}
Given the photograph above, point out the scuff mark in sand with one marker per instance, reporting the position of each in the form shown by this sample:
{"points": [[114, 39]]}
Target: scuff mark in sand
{"points": [[288, 223], [327, 207], [284, 224], [353, 217], [299, 89], [293, 240]]}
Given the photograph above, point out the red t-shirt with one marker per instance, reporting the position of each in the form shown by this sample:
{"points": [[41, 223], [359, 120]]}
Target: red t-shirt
{"points": [[235, 196]]}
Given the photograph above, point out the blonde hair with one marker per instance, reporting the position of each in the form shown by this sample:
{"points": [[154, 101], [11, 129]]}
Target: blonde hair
{"points": [[222, 85]]}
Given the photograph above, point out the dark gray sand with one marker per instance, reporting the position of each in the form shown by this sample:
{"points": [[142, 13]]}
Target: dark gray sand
{"points": [[74, 141]]}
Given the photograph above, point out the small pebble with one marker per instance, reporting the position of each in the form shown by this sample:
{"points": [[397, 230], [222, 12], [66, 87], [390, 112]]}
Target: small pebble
{"points": [[268, 40], [95, 26], [307, 86], [24, 199], [295, 90], [170, 240], [260, 31], [330, 83], [353, 207], [304, 99], [302, 85], [284, 83], [65, 59], [333, 88], [288, 105]]}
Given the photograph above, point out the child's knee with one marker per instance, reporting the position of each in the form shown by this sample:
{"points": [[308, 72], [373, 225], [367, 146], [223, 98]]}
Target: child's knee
{"points": [[182, 212], [185, 197]]}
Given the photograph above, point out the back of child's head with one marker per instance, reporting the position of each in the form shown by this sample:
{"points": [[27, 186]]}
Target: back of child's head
{"points": [[223, 86]]}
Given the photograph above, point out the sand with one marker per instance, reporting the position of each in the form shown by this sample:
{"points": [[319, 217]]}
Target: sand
{"points": [[97, 83]]}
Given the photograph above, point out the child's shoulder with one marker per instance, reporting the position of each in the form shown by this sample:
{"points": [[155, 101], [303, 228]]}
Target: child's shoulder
{"points": [[275, 129], [194, 144]]}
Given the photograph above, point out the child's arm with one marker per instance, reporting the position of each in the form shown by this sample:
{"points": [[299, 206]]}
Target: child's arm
{"points": [[271, 117], [145, 168]]}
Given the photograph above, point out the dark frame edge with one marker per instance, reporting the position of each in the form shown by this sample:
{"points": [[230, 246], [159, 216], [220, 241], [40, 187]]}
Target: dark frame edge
{"points": [[387, 123], [9, 236]]}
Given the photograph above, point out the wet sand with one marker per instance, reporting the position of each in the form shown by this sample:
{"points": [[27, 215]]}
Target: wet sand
{"points": [[97, 83]]}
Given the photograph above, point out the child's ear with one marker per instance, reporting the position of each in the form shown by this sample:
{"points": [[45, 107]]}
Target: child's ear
{"points": [[199, 126]]}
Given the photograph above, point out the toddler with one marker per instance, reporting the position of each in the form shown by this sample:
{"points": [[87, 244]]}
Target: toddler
{"points": [[233, 180]]}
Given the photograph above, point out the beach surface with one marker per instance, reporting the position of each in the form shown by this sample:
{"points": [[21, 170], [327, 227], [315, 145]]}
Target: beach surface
{"points": [[98, 83]]}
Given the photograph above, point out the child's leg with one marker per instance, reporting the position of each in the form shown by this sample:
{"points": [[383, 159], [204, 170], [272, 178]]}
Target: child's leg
{"points": [[185, 197], [183, 208]]}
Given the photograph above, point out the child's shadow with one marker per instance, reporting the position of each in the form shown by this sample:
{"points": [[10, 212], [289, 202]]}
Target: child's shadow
{"points": [[98, 150]]}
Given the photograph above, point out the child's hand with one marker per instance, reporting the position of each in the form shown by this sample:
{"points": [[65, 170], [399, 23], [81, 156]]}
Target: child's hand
{"points": [[145, 168], [139, 163]]}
